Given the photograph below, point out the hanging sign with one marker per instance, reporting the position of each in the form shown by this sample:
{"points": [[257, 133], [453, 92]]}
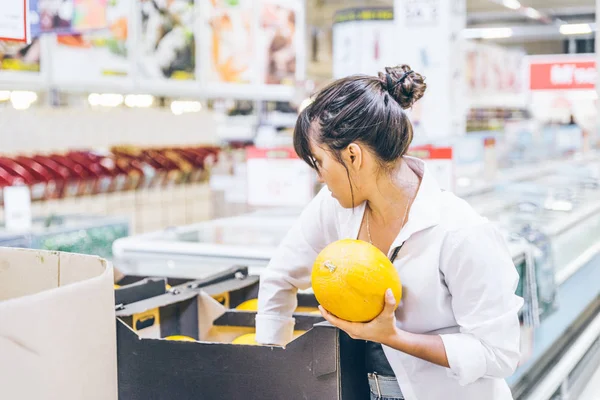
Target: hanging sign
{"points": [[14, 21], [439, 162], [563, 74], [277, 177]]}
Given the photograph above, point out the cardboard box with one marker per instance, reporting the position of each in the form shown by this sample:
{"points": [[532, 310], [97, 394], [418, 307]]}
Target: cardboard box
{"points": [[57, 326], [323, 363]]}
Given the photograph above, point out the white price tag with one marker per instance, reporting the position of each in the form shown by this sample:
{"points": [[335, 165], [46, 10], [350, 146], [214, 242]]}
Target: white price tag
{"points": [[277, 177], [490, 158], [439, 162], [17, 208], [14, 20]]}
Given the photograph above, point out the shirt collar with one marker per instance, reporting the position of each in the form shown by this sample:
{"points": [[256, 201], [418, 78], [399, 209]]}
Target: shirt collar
{"points": [[424, 212]]}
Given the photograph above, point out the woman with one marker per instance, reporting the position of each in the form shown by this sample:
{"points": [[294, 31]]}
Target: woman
{"points": [[455, 334]]}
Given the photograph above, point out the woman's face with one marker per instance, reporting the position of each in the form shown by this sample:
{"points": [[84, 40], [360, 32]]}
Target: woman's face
{"points": [[335, 176]]}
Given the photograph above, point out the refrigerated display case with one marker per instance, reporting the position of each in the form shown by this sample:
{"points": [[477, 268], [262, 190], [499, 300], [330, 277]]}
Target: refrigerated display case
{"points": [[14, 240], [200, 250], [85, 234]]}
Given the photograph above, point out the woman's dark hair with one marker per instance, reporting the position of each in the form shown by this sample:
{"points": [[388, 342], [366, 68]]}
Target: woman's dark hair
{"points": [[364, 109]]}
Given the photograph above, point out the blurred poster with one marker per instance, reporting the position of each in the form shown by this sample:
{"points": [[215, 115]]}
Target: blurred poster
{"points": [[166, 41], [230, 27], [364, 41], [14, 21], [72, 16], [95, 55], [277, 42], [494, 69], [17, 56]]}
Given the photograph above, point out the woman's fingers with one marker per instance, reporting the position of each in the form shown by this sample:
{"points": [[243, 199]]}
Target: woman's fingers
{"points": [[333, 320]]}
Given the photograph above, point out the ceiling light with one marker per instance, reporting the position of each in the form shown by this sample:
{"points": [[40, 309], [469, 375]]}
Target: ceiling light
{"points": [[105, 99], [512, 4], [139, 100], [180, 107], [4, 95], [22, 100], [487, 33], [575, 29], [533, 13]]}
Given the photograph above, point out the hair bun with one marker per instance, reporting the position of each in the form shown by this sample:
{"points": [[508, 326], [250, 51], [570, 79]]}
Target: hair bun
{"points": [[404, 85]]}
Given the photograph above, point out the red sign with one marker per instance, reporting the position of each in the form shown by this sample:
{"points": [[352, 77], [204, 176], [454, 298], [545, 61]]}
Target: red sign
{"points": [[429, 152], [14, 21], [271, 152], [562, 75]]}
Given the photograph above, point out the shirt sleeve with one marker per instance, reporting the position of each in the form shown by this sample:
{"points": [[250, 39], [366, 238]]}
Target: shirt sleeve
{"points": [[482, 279], [290, 269]]}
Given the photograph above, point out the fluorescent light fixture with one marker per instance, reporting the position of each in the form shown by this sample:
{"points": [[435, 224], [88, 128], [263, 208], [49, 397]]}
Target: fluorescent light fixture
{"points": [[487, 33], [94, 99], [22, 100], [4, 95], [512, 4], [139, 100], [533, 13], [105, 100], [575, 29], [180, 107]]}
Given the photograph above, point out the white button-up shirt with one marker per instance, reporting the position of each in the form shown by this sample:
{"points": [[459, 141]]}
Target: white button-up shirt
{"points": [[458, 280]]}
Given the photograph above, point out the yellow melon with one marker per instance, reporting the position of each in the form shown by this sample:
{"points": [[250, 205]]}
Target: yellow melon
{"points": [[350, 277], [180, 338], [248, 305], [250, 338]]}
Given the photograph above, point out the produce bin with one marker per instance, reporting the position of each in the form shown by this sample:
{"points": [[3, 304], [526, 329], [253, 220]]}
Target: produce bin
{"points": [[321, 363]]}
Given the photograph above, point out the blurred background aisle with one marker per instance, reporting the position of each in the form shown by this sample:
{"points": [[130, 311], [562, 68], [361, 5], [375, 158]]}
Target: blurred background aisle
{"points": [[158, 134]]}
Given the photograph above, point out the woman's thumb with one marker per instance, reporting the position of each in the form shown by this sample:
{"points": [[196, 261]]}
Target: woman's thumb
{"points": [[390, 300]]}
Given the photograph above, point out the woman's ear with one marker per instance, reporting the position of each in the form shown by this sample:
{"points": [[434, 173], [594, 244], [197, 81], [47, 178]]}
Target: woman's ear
{"points": [[354, 156]]}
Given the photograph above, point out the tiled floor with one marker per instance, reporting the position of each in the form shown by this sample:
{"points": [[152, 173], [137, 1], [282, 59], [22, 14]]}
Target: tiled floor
{"points": [[592, 390]]}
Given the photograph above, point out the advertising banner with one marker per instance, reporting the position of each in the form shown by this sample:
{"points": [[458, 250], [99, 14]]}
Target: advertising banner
{"points": [[563, 89], [20, 57], [167, 43], [230, 41], [72, 16], [563, 74], [277, 42], [252, 48], [95, 56]]}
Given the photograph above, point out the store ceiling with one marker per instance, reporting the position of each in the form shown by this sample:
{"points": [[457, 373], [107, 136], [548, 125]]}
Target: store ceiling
{"points": [[488, 5], [494, 12]]}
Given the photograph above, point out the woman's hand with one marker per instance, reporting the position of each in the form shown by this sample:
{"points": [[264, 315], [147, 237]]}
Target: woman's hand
{"points": [[382, 329]]}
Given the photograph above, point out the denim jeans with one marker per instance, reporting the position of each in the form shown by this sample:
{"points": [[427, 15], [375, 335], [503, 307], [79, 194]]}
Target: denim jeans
{"points": [[384, 388]]}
